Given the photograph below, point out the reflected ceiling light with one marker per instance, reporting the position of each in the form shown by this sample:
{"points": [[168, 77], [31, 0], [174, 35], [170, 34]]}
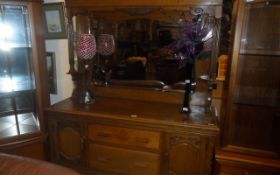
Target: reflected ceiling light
{"points": [[6, 33], [5, 46], [7, 84]]}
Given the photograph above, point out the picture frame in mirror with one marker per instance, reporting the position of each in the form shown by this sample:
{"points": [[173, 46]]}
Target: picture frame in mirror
{"points": [[54, 21]]}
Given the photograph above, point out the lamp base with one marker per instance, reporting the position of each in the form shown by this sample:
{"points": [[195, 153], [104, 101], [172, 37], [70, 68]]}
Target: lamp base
{"points": [[83, 97], [186, 104]]}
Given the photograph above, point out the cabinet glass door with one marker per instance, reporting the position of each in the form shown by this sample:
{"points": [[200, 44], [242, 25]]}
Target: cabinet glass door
{"points": [[17, 81], [255, 111]]}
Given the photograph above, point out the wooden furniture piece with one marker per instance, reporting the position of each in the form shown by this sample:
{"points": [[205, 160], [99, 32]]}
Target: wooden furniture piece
{"points": [[24, 89], [251, 114], [132, 130], [130, 136]]}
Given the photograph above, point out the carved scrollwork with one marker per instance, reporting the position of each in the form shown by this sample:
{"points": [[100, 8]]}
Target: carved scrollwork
{"points": [[195, 141]]}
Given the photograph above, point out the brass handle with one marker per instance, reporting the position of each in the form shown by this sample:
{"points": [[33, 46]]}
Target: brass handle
{"points": [[142, 140]]}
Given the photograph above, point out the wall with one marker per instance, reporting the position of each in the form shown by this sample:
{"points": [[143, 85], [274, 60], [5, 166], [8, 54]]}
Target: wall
{"points": [[64, 82]]}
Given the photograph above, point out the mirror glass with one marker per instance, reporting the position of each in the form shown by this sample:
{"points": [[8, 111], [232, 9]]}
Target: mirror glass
{"points": [[143, 42]]}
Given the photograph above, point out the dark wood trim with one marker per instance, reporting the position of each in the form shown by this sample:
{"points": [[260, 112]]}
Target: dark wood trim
{"points": [[23, 140], [245, 150], [39, 60], [246, 160], [227, 134]]}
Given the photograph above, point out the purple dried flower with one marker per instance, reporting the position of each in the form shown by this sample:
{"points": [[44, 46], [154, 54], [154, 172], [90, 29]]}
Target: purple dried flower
{"points": [[190, 44]]}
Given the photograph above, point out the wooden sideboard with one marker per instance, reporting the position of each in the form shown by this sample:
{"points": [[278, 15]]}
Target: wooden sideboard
{"points": [[125, 136]]}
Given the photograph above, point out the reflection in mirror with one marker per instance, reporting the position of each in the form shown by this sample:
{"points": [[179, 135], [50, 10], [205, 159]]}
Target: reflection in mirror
{"points": [[145, 40]]}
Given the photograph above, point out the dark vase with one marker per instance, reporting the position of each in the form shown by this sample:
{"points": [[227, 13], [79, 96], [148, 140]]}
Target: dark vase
{"points": [[190, 79]]}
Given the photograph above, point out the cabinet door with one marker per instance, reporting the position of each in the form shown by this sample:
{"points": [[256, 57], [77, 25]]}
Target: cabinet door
{"points": [[23, 71], [23, 75], [184, 154], [67, 142]]}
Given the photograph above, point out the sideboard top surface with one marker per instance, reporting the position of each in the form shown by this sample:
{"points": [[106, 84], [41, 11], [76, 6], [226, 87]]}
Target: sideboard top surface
{"points": [[150, 113]]}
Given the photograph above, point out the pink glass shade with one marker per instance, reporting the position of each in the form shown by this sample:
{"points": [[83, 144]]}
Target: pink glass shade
{"points": [[105, 44], [86, 46]]}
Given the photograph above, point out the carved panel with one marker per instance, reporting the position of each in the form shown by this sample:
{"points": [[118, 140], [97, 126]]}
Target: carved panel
{"points": [[70, 142], [184, 155]]}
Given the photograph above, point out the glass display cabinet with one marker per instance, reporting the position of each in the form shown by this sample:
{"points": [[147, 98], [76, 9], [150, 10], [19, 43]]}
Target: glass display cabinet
{"points": [[23, 89], [251, 120], [254, 101]]}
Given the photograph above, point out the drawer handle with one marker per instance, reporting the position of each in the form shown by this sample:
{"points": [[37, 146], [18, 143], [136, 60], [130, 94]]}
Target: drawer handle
{"points": [[104, 134], [142, 140], [141, 165]]}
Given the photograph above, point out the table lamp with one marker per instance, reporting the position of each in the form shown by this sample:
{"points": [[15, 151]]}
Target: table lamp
{"points": [[105, 47], [86, 49]]}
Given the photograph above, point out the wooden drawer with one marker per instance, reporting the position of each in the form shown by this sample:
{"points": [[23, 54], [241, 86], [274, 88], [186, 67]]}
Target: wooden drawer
{"points": [[123, 161], [125, 136]]}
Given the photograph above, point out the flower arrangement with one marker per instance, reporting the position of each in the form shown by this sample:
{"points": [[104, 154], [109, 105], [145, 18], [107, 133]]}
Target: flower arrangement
{"points": [[191, 43], [190, 46]]}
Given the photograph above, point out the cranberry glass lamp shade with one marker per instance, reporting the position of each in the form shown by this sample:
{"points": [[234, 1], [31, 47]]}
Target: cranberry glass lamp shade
{"points": [[86, 49], [86, 46], [105, 44]]}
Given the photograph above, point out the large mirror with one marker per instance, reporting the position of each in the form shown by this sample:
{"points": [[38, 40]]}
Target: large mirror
{"points": [[142, 42]]}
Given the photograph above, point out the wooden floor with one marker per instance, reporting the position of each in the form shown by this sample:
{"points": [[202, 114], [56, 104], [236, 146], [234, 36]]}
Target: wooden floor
{"points": [[9, 127]]}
